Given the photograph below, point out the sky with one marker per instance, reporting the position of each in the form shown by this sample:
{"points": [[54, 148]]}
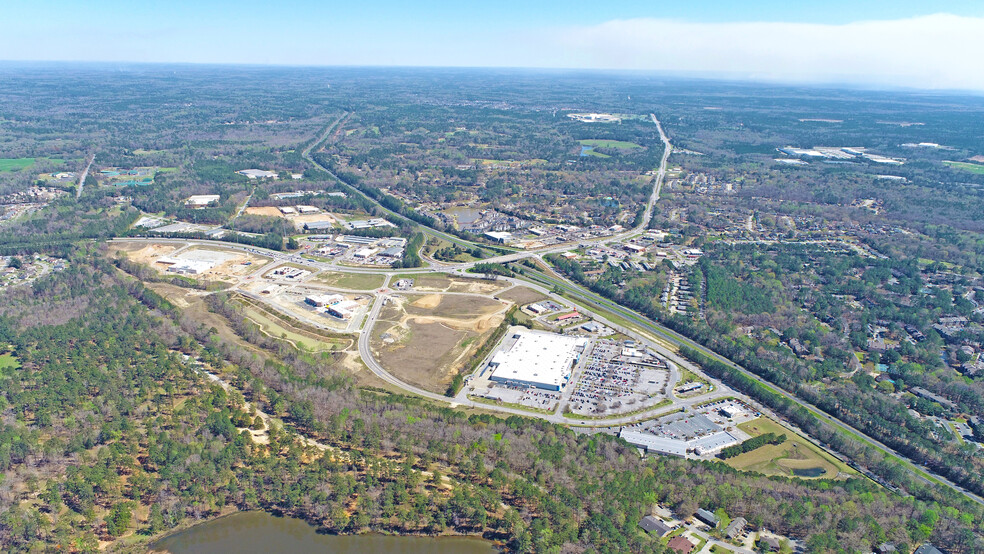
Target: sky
{"points": [[875, 43]]}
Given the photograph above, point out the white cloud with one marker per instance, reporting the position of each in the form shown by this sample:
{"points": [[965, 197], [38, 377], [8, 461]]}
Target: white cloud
{"points": [[931, 52]]}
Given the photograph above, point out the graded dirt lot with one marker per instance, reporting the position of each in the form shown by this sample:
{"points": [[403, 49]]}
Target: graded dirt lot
{"points": [[300, 220], [144, 253], [451, 306], [270, 211], [425, 340], [440, 282], [230, 264], [522, 295]]}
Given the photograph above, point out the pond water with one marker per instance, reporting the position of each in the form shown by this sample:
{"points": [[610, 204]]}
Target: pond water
{"points": [[260, 532], [464, 215], [586, 149], [809, 472]]}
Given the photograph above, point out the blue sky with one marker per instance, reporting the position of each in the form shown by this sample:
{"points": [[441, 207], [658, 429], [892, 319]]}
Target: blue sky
{"points": [[882, 43]]}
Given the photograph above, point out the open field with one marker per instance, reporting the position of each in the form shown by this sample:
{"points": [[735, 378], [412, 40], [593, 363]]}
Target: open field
{"points": [[8, 361], [602, 143], [967, 166], [452, 306], [522, 295], [427, 340], [441, 282], [269, 211], [14, 164], [301, 339], [796, 457], [352, 281]]}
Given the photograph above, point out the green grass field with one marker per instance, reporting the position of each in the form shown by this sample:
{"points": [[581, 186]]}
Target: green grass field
{"points": [[8, 361], [15, 164], [602, 143], [796, 453], [277, 329], [352, 281], [967, 166]]}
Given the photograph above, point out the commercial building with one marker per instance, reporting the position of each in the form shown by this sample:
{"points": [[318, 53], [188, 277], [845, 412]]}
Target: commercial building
{"points": [[322, 300], [344, 309], [532, 358], [501, 237], [186, 267], [201, 200], [319, 225], [258, 174]]}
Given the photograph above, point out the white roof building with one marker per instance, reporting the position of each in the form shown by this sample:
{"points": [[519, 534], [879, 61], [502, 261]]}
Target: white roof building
{"points": [[344, 309], [542, 360], [499, 236], [258, 173], [202, 199], [321, 300]]}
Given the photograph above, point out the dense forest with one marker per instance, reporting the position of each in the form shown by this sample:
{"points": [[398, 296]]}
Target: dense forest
{"points": [[119, 435]]}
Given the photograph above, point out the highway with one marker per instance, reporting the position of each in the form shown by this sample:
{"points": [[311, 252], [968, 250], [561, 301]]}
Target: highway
{"points": [[676, 339], [85, 173], [664, 337]]}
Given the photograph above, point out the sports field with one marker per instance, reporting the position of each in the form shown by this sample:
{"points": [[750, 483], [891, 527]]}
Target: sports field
{"points": [[796, 457], [14, 164], [967, 166]]}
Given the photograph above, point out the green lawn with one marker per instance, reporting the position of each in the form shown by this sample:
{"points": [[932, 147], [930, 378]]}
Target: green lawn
{"points": [[796, 453], [353, 281], [14, 164], [603, 143], [967, 166], [8, 361]]}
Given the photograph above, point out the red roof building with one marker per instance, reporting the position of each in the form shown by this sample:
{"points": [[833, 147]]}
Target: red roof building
{"points": [[680, 544]]}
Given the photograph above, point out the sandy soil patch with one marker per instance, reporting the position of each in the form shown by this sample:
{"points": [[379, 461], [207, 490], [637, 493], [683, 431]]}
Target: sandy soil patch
{"points": [[300, 220], [430, 301], [146, 254], [522, 295], [426, 341], [270, 211]]}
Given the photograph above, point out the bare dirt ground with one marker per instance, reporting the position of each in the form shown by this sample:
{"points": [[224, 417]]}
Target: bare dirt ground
{"points": [[522, 296], [143, 253], [443, 283], [427, 340], [452, 306], [300, 220], [270, 211], [231, 264]]}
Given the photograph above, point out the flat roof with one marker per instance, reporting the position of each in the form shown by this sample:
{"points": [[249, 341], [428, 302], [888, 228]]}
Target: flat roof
{"points": [[537, 357]]}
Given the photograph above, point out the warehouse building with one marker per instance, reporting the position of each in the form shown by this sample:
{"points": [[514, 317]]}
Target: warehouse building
{"points": [[532, 358]]}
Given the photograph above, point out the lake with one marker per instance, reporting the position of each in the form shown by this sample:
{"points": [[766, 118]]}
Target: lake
{"points": [[260, 532], [464, 215]]}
